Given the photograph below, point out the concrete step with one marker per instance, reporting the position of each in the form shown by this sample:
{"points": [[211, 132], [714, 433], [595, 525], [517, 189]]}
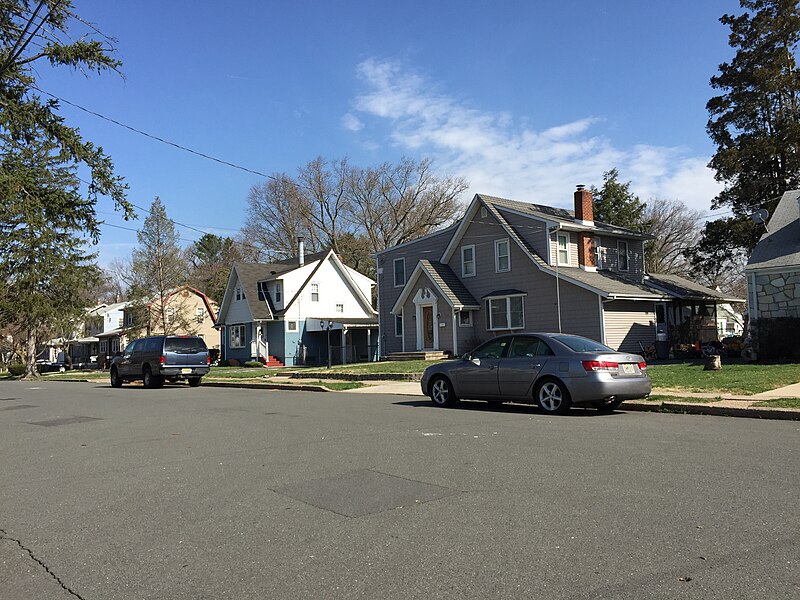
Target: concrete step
{"points": [[418, 355]]}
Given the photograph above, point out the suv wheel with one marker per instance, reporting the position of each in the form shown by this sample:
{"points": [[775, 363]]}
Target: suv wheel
{"points": [[151, 381], [116, 380]]}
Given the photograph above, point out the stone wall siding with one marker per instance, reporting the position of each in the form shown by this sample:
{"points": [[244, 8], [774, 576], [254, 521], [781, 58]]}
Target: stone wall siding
{"points": [[778, 295]]}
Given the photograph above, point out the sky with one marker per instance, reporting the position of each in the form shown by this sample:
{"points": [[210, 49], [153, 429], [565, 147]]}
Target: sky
{"points": [[525, 100]]}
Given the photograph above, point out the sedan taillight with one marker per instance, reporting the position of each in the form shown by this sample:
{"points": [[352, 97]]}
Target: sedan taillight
{"points": [[600, 365], [642, 366]]}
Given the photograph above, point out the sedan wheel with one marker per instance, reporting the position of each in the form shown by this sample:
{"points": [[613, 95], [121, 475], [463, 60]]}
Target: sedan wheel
{"points": [[442, 393], [552, 397]]}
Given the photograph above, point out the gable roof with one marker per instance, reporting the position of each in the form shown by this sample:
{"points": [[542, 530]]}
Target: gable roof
{"points": [[250, 274], [443, 278], [780, 245]]}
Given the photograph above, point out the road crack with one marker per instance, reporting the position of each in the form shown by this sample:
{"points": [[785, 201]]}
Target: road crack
{"points": [[4, 536]]}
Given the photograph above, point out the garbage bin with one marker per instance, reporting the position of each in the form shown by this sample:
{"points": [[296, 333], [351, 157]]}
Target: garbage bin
{"points": [[662, 346]]}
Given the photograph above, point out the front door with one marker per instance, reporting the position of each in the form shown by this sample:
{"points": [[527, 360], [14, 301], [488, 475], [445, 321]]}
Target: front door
{"points": [[427, 326]]}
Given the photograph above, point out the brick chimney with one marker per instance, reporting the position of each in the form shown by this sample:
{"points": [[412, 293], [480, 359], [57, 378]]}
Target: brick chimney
{"points": [[584, 215], [584, 206]]}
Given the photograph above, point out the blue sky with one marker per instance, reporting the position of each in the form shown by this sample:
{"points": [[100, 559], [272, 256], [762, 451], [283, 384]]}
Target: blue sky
{"points": [[523, 99]]}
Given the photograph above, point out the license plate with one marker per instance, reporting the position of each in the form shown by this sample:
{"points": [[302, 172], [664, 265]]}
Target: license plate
{"points": [[185, 371], [628, 369]]}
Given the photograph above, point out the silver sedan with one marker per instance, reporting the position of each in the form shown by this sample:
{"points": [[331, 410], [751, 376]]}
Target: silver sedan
{"points": [[553, 370]]}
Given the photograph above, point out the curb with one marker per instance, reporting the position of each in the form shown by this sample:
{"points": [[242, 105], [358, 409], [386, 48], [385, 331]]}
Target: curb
{"points": [[359, 376], [716, 411], [267, 386]]}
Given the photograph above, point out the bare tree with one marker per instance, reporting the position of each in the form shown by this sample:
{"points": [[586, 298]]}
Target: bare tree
{"points": [[276, 217], [676, 228], [323, 199]]}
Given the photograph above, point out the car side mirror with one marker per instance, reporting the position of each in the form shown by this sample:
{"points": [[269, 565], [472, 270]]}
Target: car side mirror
{"points": [[466, 356]]}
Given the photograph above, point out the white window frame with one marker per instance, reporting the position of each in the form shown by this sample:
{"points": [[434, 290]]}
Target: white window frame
{"points": [[468, 322], [626, 254], [199, 314], [398, 326], [129, 319], [464, 263], [237, 336], [278, 293], [238, 293], [565, 237], [291, 325], [394, 272], [491, 326], [598, 255], [315, 292], [339, 308], [170, 314], [498, 256]]}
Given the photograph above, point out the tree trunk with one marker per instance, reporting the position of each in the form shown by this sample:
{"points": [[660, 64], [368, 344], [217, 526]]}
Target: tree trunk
{"points": [[30, 358]]}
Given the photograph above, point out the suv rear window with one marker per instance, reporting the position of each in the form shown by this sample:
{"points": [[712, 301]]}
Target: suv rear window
{"points": [[185, 345]]}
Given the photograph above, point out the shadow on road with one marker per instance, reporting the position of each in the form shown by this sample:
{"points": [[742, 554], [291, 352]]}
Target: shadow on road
{"points": [[509, 408]]}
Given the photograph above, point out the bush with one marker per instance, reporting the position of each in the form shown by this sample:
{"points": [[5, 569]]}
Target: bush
{"points": [[776, 339], [253, 363], [16, 369]]}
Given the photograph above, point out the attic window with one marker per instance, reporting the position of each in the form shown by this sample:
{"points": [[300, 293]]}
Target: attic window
{"points": [[484, 212]]}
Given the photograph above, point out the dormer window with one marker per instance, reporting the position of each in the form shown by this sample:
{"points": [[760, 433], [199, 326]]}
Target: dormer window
{"points": [[468, 261], [562, 249], [622, 255]]}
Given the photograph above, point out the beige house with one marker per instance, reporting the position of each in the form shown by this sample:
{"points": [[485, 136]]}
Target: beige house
{"points": [[188, 312]]}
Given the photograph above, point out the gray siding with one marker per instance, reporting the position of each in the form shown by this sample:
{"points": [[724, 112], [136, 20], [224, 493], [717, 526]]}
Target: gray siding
{"points": [[580, 313], [532, 231], [635, 256], [628, 323], [430, 247]]}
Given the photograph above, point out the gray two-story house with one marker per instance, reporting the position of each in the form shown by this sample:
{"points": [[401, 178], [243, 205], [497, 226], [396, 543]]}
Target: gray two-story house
{"points": [[514, 266]]}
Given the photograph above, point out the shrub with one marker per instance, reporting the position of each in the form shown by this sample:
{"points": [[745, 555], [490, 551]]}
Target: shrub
{"points": [[777, 338], [16, 369], [232, 362], [253, 363]]}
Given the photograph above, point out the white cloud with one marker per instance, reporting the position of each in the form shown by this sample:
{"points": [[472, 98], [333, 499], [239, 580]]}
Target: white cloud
{"points": [[352, 122], [500, 155]]}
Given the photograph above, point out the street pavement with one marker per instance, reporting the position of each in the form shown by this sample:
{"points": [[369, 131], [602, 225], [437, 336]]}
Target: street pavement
{"points": [[197, 493]]}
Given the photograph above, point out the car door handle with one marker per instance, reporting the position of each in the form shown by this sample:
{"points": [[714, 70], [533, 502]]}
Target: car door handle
{"points": [[492, 368], [536, 365]]}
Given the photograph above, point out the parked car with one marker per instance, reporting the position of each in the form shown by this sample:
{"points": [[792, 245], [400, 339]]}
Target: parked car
{"points": [[555, 371], [156, 358]]}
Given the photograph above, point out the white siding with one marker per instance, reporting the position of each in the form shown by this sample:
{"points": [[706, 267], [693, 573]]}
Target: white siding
{"points": [[627, 323], [238, 310], [333, 290]]}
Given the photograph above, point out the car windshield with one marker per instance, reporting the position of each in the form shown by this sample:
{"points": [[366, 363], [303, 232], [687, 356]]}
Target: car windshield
{"points": [[581, 344], [184, 345]]}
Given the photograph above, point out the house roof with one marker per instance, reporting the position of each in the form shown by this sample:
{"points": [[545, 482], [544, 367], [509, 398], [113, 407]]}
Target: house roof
{"points": [[610, 285], [443, 278], [560, 215], [685, 289], [780, 245]]}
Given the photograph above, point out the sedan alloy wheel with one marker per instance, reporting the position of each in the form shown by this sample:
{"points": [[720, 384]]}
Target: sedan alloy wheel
{"points": [[552, 397]]}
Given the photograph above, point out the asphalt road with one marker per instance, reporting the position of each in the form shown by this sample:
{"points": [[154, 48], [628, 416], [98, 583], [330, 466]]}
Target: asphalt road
{"points": [[210, 493]]}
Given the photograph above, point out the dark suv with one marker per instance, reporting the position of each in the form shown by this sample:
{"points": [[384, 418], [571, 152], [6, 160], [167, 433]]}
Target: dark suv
{"points": [[154, 359]]}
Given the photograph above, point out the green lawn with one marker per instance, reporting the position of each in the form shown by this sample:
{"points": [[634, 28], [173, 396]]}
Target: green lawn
{"points": [[239, 372], [658, 398], [79, 375], [732, 378], [780, 403]]}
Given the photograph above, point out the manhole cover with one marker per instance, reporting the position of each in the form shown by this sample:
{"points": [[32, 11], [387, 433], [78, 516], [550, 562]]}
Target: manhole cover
{"points": [[64, 421], [18, 406], [363, 492]]}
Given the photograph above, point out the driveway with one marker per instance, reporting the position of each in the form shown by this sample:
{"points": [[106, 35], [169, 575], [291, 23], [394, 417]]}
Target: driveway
{"points": [[233, 493]]}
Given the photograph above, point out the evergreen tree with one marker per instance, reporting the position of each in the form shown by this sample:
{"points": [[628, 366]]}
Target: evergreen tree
{"points": [[157, 270], [614, 203], [44, 265], [755, 125]]}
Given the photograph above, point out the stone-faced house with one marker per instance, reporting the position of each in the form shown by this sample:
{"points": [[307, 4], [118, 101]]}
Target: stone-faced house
{"points": [[514, 266], [773, 275], [304, 310]]}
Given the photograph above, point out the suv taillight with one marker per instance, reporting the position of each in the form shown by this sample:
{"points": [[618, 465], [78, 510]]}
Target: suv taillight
{"points": [[599, 365], [208, 360], [163, 360]]}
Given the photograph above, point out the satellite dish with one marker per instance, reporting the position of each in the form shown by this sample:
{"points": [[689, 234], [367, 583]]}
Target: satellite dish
{"points": [[760, 216]]}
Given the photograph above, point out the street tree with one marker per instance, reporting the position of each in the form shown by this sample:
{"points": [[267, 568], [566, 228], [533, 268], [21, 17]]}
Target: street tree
{"points": [[614, 203], [45, 268], [754, 123], [157, 269]]}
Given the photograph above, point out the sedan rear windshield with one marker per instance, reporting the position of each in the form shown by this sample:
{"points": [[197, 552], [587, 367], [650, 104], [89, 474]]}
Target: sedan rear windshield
{"points": [[581, 344], [185, 345]]}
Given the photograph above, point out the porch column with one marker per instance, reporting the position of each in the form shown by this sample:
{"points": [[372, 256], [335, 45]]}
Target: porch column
{"points": [[344, 345], [455, 332], [369, 345]]}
